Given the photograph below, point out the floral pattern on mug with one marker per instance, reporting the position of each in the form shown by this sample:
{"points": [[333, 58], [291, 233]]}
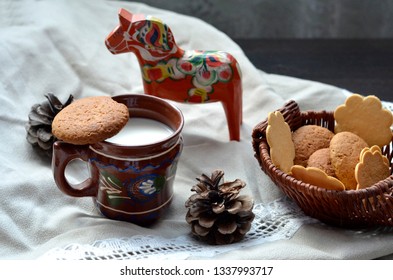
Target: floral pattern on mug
{"points": [[145, 187]]}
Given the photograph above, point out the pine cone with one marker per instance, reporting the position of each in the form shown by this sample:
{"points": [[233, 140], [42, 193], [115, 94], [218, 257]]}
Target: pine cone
{"points": [[216, 212], [39, 126]]}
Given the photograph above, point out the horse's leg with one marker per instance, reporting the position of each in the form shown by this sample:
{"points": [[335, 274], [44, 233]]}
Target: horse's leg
{"points": [[239, 97], [233, 112]]}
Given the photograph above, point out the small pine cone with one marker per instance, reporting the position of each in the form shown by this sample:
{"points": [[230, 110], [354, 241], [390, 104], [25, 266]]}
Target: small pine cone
{"points": [[39, 126], [216, 212]]}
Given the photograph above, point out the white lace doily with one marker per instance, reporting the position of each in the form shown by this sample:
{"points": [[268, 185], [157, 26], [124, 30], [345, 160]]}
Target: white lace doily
{"points": [[277, 220]]}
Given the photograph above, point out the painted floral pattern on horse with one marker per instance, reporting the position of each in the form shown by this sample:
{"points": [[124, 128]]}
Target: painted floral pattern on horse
{"points": [[205, 67], [153, 33]]}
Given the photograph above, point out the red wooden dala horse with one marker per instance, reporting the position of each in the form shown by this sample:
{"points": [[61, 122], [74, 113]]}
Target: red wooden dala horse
{"points": [[172, 73]]}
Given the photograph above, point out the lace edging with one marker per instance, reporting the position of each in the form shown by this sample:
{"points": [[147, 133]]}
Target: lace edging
{"points": [[277, 220]]}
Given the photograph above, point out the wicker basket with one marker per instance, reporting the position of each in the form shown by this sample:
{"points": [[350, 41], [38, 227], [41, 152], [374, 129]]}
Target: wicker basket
{"points": [[350, 209]]}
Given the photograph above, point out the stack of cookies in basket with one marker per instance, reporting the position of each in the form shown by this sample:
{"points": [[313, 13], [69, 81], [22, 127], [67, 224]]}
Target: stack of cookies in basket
{"points": [[350, 158]]}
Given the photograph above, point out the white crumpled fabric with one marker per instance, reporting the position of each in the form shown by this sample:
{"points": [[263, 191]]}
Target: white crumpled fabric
{"points": [[58, 46]]}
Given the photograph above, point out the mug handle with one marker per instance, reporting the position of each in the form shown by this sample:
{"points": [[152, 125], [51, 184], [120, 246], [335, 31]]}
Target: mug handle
{"points": [[63, 153]]}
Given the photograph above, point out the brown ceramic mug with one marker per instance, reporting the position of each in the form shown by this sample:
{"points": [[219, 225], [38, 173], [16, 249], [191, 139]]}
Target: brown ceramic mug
{"points": [[128, 181]]}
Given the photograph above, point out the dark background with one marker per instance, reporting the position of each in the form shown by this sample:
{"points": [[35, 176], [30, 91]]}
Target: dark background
{"points": [[346, 43]]}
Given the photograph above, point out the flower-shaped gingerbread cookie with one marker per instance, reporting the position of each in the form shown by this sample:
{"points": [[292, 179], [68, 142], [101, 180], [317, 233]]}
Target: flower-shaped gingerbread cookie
{"points": [[316, 177], [372, 167], [365, 117], [279, 138]]}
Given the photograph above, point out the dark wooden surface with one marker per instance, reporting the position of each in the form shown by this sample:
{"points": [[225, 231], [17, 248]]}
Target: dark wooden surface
{"points": [[361, 66]]}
